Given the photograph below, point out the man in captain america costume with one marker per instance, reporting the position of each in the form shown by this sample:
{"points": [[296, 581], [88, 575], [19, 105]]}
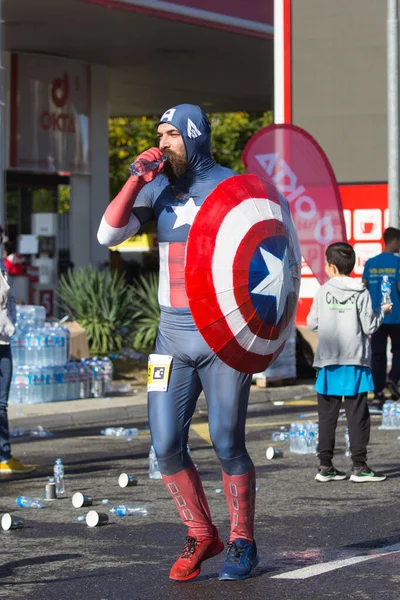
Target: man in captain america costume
{"points": [[172, 194]]}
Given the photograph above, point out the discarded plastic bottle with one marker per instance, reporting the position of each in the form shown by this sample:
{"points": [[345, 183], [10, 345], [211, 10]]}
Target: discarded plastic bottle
{"points": [[134, 510], [59, 476], [154, 470], [143, 166], [347, 442], [41, 432], [280, 436], [17, 432], [386, 290], [120, 431], [27, 502]]}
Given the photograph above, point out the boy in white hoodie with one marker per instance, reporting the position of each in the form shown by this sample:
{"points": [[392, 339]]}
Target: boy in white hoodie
{"points": [[343, 316]]}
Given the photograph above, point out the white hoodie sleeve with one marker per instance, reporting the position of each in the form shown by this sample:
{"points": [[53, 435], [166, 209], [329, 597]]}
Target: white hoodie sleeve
{"points": [[370, 319], [312, 319]]}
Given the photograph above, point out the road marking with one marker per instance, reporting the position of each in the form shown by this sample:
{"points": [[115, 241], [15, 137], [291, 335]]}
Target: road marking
{"points": [[321, 568], [202, 431], [302, 402]]}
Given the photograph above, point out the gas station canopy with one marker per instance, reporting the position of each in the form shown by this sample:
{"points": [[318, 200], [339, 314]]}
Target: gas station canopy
{"points": [[158, 53]]}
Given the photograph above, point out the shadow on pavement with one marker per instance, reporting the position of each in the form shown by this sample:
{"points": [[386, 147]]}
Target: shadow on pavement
{"points": [[7, 569]]}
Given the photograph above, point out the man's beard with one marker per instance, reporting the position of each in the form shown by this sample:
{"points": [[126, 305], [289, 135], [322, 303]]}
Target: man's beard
{"points": [[175, 166]]}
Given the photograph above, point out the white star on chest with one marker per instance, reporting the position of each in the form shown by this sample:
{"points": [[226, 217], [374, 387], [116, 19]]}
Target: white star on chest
{"points": [[185, 213], [278, 282]]}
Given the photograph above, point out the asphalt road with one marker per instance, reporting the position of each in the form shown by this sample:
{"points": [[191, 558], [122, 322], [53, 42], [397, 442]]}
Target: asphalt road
{"points": [[338, 540]]}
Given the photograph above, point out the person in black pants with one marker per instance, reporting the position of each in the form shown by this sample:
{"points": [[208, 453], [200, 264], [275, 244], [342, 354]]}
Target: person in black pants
{"points": [[8, 463], [343, 316], [386, 263]]}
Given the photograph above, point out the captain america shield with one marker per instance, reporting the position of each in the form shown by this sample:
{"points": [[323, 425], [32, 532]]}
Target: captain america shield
{"points": [[242, 272]]}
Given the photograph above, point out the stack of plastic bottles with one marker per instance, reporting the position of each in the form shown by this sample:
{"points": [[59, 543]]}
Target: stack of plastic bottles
{"points": [[391, 415], [303, 437], [42, 371]]}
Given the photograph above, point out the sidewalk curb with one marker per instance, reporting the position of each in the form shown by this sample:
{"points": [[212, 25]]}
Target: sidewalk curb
{"points": [[105, 411]]}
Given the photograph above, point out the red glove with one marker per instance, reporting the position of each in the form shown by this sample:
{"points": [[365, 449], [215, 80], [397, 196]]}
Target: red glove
{"points": [[151, 155], [118, 211]]}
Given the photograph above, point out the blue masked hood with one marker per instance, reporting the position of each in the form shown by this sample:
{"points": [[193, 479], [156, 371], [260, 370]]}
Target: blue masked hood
{"points": [[194, 127]]}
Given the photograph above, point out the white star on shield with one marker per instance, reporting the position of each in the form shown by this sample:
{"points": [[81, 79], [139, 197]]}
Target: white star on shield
{"points": [[278, 282], [185, 213]]}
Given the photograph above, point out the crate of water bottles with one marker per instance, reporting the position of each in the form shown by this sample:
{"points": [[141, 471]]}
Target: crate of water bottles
{"points": [[37, 343], [390, 415], [303, 437], [74, 380], [42, 371]]}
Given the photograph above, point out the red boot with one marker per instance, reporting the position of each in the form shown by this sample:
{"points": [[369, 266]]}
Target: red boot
{"points": [[203, 541], [240, 493]]}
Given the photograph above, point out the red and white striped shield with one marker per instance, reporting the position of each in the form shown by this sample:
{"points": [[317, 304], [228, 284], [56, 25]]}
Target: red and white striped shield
{"points": [[242, 272]]}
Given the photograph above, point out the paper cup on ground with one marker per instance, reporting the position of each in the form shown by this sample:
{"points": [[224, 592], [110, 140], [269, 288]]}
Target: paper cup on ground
{"points": [[125, 480], [10, 522], [273, 453], [95, 519], [79, 500], [50, 491]]}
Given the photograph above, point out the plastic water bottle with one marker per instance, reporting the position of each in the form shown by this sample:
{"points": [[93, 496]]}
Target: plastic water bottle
{"points": [[302, 441], [75, 373], [386, 290], [154, 470], [47, 384], [130, 432], [143, 166], [293, 437], [311, 442], [120, 432], [30, 354], [18, 348], [21, 382], [280, 436], [97, 378], [108, 370], [85, 380], [388, 415], [27, 502], [134, 510], [397, 414], [59, 476], [112, 431], [51, 346], [347, 443]]}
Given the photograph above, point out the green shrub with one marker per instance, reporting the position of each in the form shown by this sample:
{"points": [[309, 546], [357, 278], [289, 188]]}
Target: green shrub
{"points": [[147, 312], [102, 303]]}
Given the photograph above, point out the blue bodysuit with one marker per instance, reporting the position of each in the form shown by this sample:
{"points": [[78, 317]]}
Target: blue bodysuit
{"points": [[194, 367]]}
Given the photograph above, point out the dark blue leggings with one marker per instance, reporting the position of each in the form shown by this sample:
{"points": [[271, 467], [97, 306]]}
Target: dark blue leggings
{"points": [[5, 382], [194, 368]]}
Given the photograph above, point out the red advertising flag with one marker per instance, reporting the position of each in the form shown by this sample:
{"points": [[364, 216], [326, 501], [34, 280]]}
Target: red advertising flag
{"points": [[299, 168]]}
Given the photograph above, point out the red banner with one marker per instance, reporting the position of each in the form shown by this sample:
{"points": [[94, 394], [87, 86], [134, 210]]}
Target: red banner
{"points": [[298, 167]]}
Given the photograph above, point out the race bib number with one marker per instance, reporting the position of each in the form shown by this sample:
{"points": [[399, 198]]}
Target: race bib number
{"points": [[158, 372]]}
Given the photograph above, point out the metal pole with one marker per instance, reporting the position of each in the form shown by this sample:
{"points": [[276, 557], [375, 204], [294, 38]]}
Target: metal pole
{"points": [[279, 64], [2, 128], [393, 110]]}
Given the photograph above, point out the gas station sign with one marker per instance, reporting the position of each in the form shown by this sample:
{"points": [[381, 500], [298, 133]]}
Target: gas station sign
{"points": [[49, 114]]}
